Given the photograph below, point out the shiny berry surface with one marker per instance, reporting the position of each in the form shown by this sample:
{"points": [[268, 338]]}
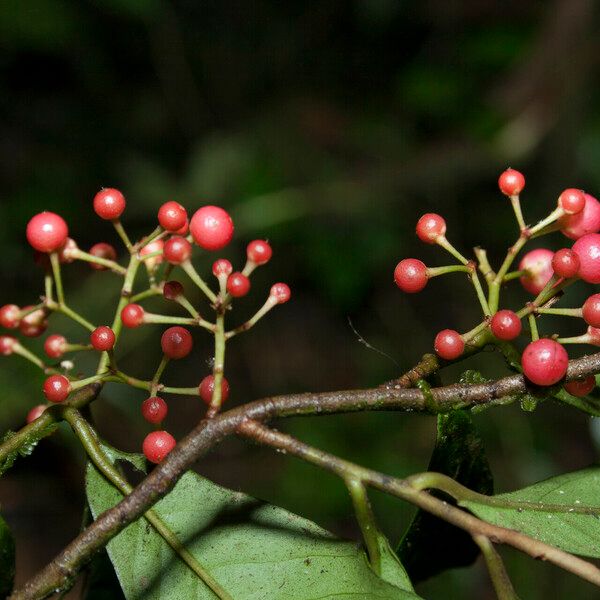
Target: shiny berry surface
{"points": [[211, 227], [565, 263], [259, 252], [102, 250], [33, 324], [410, 275], [154, 409], [10, 316], [132, 315], [103, 338], [54, 346], [177, 250], [506, 325], [449, 344], [7, 344], [511, 182], [538, 264], [172, 216], [238, 285], [176, 342], [151, 248], [587, 248], [56, 388], [109, 204], [172, 290], [157, 445], [544, 362], [207, 387], [572, 201], [430, 227], [584, 222], [47, 232], [591, 310], [280, 292], [222, 268], [581, 387]]}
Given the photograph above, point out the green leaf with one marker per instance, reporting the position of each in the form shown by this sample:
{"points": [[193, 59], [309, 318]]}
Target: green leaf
{"points": [[563, 511], [26, 448], [138, 461], [458, 453], [254, 550], [7, 559], [102, 582]]}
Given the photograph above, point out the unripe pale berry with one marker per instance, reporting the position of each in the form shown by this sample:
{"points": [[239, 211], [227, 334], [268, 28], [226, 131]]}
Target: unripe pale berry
{"points": [[410, 275], [280, 292], [259, 252], [154, 409], [132, 315], [511, 182], [544, 362], [102, 250], [572, 201], [222, 267], [10, 316], [7, 344], [238, 285], [449, 344], [211, 227], [103, 338], [584, 222], [593, 335], [431, 227], [506, 325], [565, 263], [33, 324], [207, 387], [177, 250], [54, 346], [35, 412], [538, 264], [66, 253], [109, 204], [176, 342], [581, 387], [157, 445], [47, 232], [172, 290], [172, 216], [153, 262], [587, 248], [56, 388], [591, 310]]}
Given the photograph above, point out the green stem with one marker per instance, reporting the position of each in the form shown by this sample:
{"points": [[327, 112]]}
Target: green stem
{"points": [[446, 245], [159, 371], [191, 391], [556, 214], [516, 204], [484, 264], [494, 297], [266, 307], [69, 312], [500, 580], [30, 356], [565, 312], [149, 293], [533, 327], [219, 365], [55, 261], [183, 301], [105, 262], [122, 234], [48, 283], [167, 319], [188, 267], [435, 271], [513, 275], [480, 295]]}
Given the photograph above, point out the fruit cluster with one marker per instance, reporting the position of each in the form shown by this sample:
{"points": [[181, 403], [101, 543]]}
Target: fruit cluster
{"points": [[543, 273], [169, 246]]}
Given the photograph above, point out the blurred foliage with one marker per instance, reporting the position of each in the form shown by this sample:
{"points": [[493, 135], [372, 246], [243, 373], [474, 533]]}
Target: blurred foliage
{"points": [[327, 127]]}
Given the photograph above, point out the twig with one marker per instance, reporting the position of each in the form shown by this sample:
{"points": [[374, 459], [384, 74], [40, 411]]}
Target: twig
{"points": [[500, 579]]}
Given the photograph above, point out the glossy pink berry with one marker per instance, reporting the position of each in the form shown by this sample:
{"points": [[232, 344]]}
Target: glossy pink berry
{"points": [[587, 248], [565, 263], [47, 232], [55, 345], [35, 412], [591, 310], [506, 325], [538, 264], [572, 201], [581, 387], [172, 216], [511, 182], [10, 316], [157, 445], [109, 204], [102, 250], [176, 342], [259, 252], [154, 409], [544, 362], [177, 250], [7, 344], [207, 387], [238, 285], [103, 338], [172, 290], [132, 315], [449, 344], [222, 268], [211, 227], [56, 388], [584, 222], [154, 246], [33, 324], [280, 292], [431, 227], [410, 275]]}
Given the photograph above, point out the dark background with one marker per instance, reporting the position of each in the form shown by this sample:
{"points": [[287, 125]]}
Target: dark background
{"points": [[327, 127]]}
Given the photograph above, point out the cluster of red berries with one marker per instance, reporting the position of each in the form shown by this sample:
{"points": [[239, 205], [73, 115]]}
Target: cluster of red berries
{"points": [[210, 227], [542, 272]]}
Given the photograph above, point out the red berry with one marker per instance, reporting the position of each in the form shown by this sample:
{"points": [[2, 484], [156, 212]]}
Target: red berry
{"points": [[33, 324], [54, 346], [35, 412], [172, 216], [544, 362], [56, 388], [449, 344], [177, 250], [132, 315], [207, 387], [587, 248], [591, 310], [593, 336], [430, 227], [172, 290], [586, 221], [572, 201], [47, 232], [103, 338], [183, 230], [506, 325], [581, 387], [154, 409], [280, 292], [109, 204], [222, 267], [211, 227], [176, 342], [565, 263], [102, 250], [410, 275], [10, 316], [238, 285], [259, 252], [7, 344], [151, 248], [157, 445], [511, 182], [538, 264]]}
